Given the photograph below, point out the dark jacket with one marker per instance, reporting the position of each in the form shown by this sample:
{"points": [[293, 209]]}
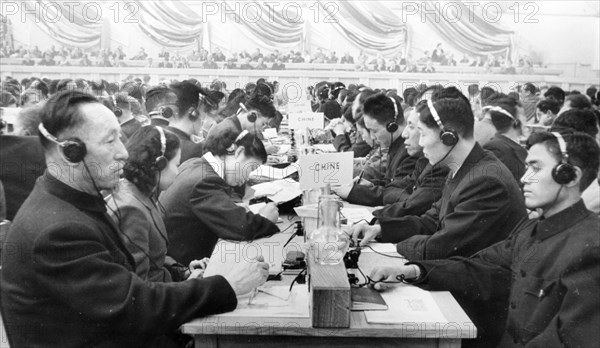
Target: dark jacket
{"points": [[416, 193], [72, 283], [547, 274], [478, 208], [22, 161], [343, 143], [144, 232], [189, 148], [400, 165], [510, 153], [331, 109], [199, 210]]}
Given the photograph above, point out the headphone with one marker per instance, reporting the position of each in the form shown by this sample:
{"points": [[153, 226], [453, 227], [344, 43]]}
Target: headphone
{"points": [[502, 111], [117, 110], [161, 161], [233, 146], [251, 116], [163, 111], [564, 172], [73, 149], [392, 126], [448, 136]]}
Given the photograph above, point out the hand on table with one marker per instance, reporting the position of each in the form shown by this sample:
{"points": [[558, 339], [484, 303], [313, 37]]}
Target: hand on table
{"points": [[247, 275], [384, 276], [365, 230], [270, 212], [342, 191], [197, 268]]}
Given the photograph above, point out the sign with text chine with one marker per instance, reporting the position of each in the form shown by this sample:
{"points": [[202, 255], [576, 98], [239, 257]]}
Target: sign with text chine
{"points": [[319, 170], [310, 120]]}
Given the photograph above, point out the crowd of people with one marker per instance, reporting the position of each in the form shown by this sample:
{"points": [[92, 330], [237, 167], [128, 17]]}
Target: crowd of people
{"points": [[138, 181], [258, 60]]}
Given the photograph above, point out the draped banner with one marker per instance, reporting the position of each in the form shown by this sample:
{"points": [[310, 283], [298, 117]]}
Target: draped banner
{"points": [[268, 26], [170, 23], [82, 30], [369, 25], [467, 31]]}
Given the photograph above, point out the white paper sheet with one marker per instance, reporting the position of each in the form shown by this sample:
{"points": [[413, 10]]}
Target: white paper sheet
{"points": [[407, 304]]}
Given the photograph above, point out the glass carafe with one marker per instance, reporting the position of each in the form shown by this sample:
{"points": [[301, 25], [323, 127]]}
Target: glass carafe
{"points": [[329, 243]]}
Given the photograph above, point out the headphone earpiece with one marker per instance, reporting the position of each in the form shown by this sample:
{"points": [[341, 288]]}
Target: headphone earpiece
{"points": [[392, 126], [73, 149], [448, 136], [165, 112], [161, 161], [252, 117], [117, 110], [564, 172]]}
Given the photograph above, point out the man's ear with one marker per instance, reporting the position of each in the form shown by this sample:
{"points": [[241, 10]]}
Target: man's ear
{"points": [[239, 151], [578, 175]]}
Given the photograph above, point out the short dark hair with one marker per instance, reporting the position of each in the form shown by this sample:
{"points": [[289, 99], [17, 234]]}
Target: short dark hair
{"points": [[144, 148], [578, 120], [188, 96], [579, 101], [591, 92], [449, 92], [502, 122], [582, 149], [530, 87], [261, 103], [547, 104], [410, 95], [61, 112], [473, 89], [133, 89], [486, 93], [40, 86], [381, 108], [454, 114], [157, 96], [221, 145], [555, 93]]}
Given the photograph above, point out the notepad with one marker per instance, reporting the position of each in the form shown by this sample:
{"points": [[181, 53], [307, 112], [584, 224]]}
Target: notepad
{"points": [[279, 191], [367, 299]]}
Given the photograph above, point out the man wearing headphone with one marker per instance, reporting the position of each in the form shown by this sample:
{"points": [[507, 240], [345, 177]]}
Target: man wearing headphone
{"points": [[253, 115], [161, 104], [481, 201], [547, 272], [187, 122], [122, 110], [69, 281], [384, 118]]}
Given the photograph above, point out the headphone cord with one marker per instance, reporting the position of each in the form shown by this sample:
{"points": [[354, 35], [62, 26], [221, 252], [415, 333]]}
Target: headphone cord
{"points": [[445, 156]]}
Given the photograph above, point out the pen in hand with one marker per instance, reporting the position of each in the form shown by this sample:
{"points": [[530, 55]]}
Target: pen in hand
{"points": [[359, 177]]}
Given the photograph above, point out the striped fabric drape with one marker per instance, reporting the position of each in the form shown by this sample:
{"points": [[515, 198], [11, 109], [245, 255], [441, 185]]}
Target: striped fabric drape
{"points": [[82, 30], [170, 23]]}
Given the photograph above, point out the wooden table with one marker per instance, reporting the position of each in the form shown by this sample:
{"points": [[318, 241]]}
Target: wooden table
{"points": [[218, 331]]}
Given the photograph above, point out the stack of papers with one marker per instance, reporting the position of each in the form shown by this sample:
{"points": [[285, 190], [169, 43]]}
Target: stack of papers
{"points": [[272, 173], [279, 191], [354, 215], [275, 301]]}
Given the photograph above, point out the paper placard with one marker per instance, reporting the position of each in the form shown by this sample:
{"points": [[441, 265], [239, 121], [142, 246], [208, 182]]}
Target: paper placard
{"points": [[310, 120], [317, 171], [301, 106], [270, 133]]}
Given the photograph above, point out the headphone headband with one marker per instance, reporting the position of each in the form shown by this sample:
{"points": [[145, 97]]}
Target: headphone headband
{"points": [[395, 108], [241, 135], [163, 141], [562, 145], [73, 150], [434, 113], [498, 109]]}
